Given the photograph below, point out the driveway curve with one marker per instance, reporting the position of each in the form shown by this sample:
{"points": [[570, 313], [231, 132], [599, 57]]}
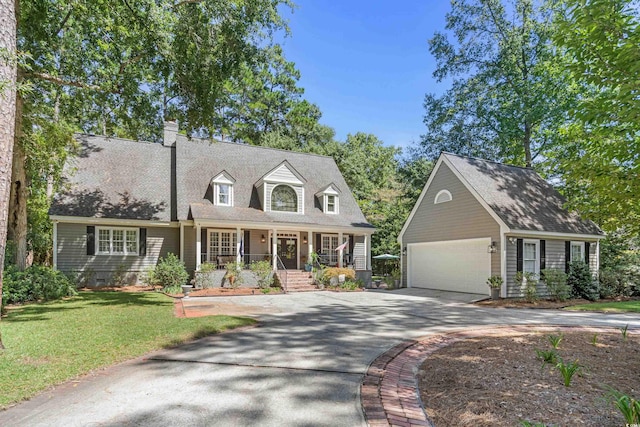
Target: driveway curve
{"points": [[302, 366]]}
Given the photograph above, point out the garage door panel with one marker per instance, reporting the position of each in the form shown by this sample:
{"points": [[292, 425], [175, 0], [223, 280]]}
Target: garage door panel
{"points": [[460, 265]]}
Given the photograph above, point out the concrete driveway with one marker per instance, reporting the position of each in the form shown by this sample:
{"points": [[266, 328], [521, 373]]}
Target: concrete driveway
{"points": [[301, 367]]}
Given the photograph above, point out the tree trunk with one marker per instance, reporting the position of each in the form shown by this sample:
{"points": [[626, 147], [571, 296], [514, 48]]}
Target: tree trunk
{"points": [[17, 227], [8, 78], [527, 143]]}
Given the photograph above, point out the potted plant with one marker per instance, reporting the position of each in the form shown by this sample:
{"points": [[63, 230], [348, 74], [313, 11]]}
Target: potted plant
{"points": [[395, 275], [233, 274], [495, 283]]}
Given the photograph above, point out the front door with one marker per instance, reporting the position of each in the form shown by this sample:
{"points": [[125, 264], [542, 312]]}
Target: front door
{"points": [[288, 252]]}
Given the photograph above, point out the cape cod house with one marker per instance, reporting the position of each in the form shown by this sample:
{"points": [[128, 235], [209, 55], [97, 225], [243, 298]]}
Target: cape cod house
{"points": [[476, 218], [126, 203]]}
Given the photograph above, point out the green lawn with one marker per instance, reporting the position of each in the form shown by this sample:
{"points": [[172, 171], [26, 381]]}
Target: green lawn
{"points": [[614, 307], [49, 343]]}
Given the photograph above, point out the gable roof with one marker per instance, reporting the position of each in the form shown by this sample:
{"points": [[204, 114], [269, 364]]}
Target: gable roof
{"points": [[518, 198], [116, 178], [197, 160]]}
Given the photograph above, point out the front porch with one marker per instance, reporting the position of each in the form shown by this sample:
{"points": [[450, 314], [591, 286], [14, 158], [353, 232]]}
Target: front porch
{"points": [[285, 249]]}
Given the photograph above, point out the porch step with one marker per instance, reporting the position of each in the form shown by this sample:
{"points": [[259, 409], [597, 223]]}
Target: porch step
{"points": [[298, 281]]}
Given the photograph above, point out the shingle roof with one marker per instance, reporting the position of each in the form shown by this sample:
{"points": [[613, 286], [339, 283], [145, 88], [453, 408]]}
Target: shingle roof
{"points": [[520, 197], [116, 178], [198, 161], [124, 179]]}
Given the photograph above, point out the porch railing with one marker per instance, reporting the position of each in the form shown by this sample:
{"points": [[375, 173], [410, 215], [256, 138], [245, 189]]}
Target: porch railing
{"points": [[221, 260], [282, 271]]}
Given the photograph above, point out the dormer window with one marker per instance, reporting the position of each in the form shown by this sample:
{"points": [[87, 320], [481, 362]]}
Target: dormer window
{"points": [[330, 199], [284, 199], [224, 194], [331, 204], [223, 190]]}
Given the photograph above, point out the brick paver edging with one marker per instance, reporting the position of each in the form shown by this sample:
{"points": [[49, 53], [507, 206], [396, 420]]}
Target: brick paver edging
{"points": [[389, 392]]}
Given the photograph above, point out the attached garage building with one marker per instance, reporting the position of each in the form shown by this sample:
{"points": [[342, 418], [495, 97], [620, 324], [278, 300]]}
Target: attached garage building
{"points": [[476, 218]]}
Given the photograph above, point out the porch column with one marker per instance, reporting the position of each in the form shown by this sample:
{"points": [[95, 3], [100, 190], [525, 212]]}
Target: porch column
{"points": [[341, 251], [310, 243], [367, 252], [55, 245], [181, 242], [238, 244], [198, 246], [274, 248]]}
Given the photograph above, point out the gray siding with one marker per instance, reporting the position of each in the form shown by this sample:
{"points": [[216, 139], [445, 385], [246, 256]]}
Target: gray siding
{"points": [[99, 269], [461, 218], [555, 258]]}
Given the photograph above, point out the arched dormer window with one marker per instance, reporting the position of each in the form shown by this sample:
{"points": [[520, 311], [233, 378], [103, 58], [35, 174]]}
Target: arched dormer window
{"points": [[442, 196], [284, 199]]}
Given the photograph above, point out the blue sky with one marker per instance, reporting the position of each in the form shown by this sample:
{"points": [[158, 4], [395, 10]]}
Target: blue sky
{"points": [[366, 64]]}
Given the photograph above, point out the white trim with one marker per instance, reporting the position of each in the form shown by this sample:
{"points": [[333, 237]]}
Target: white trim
{"points": [[234, 250], [55, 245], [336, 204], [299, 178], [292, 235], [182, 242], [503, 262], [299, 206], [282, 226], [436, 168], [124, 241], [216, 194], [537, 259], [198, 230], [442, 193], [114, 221], [582, 250], [552, 234], [223, 178]]}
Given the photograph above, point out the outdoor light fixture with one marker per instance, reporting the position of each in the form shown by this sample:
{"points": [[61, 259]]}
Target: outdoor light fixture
{"points": [[304, 240], [492, 248], [262, 239], [404, 250], [512, 240]]}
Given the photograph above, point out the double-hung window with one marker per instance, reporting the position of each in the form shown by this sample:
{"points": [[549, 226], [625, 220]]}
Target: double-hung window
{"points": [[117, 241], [531, 256], [224, 195], [331, 204], [577, 251]]}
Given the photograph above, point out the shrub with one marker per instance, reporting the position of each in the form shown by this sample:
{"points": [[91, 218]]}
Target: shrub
{"points": [[529, 281], [619, 282], [581, 283], [169, 273], [264, 273], [556, 283], [205, 278], [36, 283], [329, 273], [495, 282]]}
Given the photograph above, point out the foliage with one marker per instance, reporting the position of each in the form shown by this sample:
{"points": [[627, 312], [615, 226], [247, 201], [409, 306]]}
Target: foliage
{"points": [[119, 277], [581, 282], [528, 281], [556, 283], [36, 283], [525, 423], [205, 276], [234, 273], [555, 340], [264, 273], [568, 370], [548, 356], [495, 282], [332, 272], [170, 273], [349, 285], [509, 94], [627, 405], [63, 344], [611, 307], [619, 283], [600, 162], [624, 331]]}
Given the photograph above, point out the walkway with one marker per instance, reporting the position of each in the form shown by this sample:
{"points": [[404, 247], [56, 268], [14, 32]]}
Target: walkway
{"points": [[303, 365]]}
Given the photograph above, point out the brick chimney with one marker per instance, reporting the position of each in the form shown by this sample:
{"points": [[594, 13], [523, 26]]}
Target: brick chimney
{"points": [[170, 133]]}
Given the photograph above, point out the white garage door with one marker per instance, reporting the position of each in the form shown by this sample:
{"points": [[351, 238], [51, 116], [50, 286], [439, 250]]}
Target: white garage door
{"points": [[458, 265]]}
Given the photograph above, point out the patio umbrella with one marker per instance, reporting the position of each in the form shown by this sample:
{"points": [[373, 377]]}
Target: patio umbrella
{"points": [[385, 257]]}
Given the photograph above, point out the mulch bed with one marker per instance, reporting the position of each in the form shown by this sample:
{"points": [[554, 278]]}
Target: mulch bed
{"points": [[498, 380], [542, 303]]}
